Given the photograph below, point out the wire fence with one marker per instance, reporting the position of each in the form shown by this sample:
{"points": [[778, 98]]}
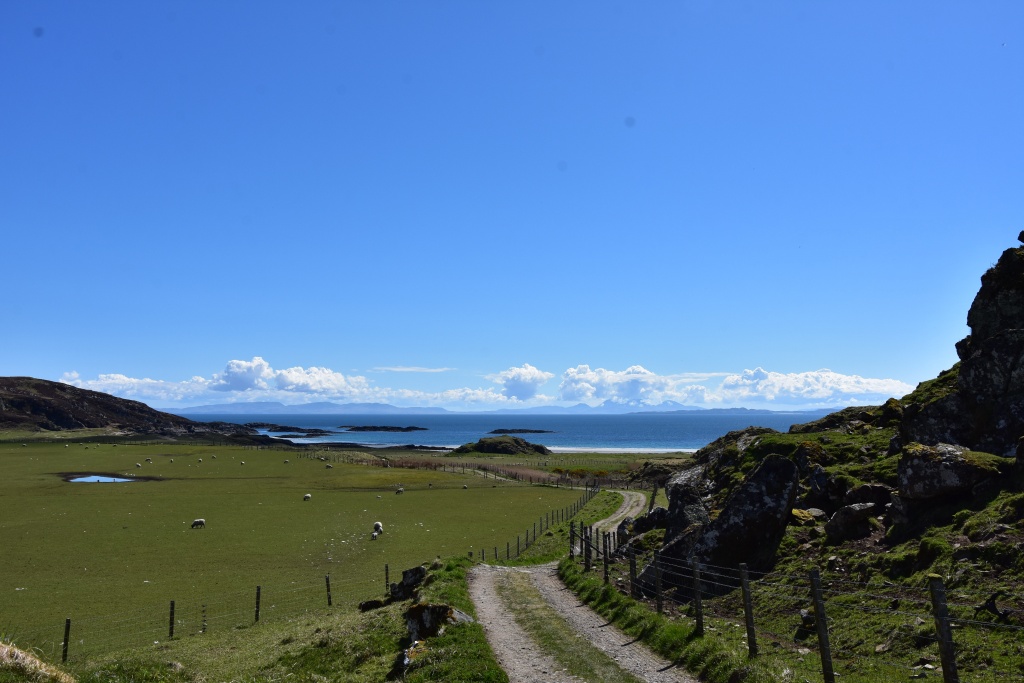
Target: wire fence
{"points": [[878, 630], [81, 636]]}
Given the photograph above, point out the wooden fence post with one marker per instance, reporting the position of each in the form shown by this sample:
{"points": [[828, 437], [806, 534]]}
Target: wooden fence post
{"points": [[821, 622], [327, 578], [67, 637], [604, 538], [387, 579], [657, 578], [947, 652], [698, 599], [170, 627], [572, 540], [632, 573], [748, 611], [257, 603]]}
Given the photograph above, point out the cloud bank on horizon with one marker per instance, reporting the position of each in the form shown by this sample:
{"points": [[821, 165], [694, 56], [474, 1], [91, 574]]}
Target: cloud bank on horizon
{"points": [[516, 387]]}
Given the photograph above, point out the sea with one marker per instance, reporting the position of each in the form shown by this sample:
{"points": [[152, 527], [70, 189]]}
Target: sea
{"points": [[627, 433]]}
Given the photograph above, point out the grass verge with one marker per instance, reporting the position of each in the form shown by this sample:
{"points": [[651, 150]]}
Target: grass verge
{"points": [[719, 660]]}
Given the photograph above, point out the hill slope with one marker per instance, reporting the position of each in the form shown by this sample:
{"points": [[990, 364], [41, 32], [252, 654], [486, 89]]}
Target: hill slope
{"points": [[27, 403]]}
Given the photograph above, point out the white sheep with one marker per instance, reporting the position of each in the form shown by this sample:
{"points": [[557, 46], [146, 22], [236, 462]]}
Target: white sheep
{"points": [[373, 536], [138, 464], [465, 486], [243, 462], [399, 490], [378, 529], [149, 460], [200, 459], [285, 462], [214, 457], [308, 496], [199, 523]]}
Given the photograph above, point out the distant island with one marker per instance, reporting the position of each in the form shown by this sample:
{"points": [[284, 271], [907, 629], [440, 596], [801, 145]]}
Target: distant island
{"points": [[380, 428], [298, 431], [520, 431]]}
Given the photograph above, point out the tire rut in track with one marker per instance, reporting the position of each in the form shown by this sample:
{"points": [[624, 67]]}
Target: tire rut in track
{"points": [[519, 655]]}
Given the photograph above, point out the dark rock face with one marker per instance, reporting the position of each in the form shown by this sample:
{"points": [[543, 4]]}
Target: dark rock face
{"points": [[850, 522], [878, 494], [986, 412], [748, 530], [411, 579]]}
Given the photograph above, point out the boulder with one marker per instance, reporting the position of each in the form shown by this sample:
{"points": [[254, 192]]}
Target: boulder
{"points": [[878, 494], [411, 579], [850, 521], [941, 471], [624, 531]]}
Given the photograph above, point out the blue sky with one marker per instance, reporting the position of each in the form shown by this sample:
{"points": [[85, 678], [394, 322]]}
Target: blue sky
{"points": [[480, 205]]}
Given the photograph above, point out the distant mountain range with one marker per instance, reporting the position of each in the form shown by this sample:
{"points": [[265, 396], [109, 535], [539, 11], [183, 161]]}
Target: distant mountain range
{"points": [[328, 408]]}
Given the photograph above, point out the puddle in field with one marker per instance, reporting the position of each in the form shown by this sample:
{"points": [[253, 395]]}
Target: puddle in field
{"points": [[102, 477]]}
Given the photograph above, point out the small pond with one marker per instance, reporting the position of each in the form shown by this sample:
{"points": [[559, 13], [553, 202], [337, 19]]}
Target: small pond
{"points": [[100, 478]]}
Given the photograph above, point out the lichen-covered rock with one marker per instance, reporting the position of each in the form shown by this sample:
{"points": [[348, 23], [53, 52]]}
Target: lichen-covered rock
{"points": [[942, 471], [850, 521]]}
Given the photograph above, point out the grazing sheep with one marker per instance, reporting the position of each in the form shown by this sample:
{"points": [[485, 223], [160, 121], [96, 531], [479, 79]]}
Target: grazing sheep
{"points": [[172, 459], [149, 460], [199, 523], [138, 464], [243, 462], [378, 497], [214, 457], [308, 496], [465, 486], [200, 459], [285, 462], [399, 490], [373, 536], [378, 528], [330, 467]]}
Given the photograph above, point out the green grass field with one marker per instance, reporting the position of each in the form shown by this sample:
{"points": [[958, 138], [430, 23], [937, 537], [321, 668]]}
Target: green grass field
{"points": [[112, 556]]}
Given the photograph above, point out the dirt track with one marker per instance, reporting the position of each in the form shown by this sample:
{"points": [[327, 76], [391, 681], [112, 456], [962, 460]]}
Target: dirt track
{"points": [[520, 656]]}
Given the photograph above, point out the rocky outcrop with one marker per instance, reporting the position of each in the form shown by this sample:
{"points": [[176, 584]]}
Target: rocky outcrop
{"points": [[504, 445], [411, 580], [985, 411], [747, 531], [942, 471]]}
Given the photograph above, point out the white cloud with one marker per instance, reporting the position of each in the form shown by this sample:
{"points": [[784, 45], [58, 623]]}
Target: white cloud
{"points": [[635, 384], [256, 380], [822, 387], [242, 375], [521, 383]]}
